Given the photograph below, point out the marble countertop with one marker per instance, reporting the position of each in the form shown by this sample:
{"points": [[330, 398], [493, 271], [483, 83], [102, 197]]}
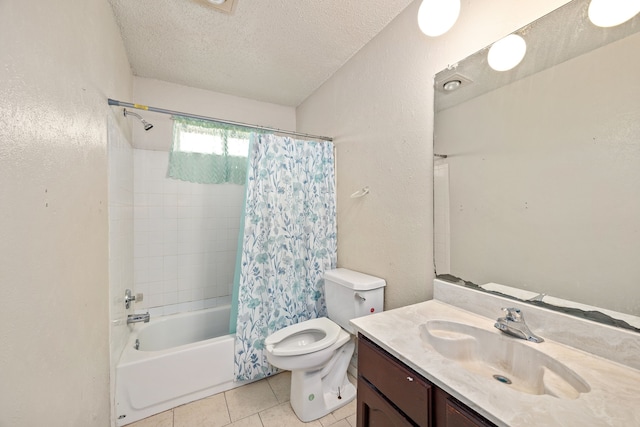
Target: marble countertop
{"points": [[614, 398]]}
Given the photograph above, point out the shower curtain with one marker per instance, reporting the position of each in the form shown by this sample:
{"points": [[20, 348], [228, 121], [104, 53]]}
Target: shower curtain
{"points": [[288, 240]]}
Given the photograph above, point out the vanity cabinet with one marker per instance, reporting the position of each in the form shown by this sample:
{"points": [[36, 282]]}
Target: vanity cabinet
{"points": [[391, 394]]}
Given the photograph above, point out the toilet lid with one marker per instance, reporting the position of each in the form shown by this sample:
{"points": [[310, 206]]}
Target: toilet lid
{"points": [[294, 340]]}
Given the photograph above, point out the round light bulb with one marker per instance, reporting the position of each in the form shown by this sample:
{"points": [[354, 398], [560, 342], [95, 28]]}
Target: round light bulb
{"points": [[506, 53], [609, 13], [436, 17]]}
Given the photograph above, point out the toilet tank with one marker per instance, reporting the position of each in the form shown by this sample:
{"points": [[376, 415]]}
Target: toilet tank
{"points": [[350, 294]]}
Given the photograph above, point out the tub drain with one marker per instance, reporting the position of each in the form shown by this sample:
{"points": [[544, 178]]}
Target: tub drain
{"points": [[502, 379]]}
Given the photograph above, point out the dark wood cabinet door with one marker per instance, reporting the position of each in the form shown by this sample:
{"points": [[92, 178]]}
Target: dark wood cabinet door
{"points": [[374, 410], [408, 391], [392, 394], [459, 416]]}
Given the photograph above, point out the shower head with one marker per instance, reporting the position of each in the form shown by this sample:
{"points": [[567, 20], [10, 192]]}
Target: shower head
{"points": [[145, 123]]}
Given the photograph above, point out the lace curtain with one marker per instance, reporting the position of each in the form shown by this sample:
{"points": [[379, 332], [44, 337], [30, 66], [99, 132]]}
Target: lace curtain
{"points": [[208, 152]]}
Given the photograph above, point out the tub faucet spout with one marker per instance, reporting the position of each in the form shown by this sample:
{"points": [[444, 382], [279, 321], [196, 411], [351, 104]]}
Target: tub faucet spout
{"points": [[135, 318]]}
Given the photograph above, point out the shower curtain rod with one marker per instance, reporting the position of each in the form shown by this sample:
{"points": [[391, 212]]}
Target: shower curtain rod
{"points": [[212, 119]]}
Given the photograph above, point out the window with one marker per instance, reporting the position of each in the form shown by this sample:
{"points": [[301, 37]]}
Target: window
{"points": [[208, 152]]}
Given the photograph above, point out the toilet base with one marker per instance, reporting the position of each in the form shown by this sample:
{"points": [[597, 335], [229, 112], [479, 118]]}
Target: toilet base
{"points": [[317, 393]]}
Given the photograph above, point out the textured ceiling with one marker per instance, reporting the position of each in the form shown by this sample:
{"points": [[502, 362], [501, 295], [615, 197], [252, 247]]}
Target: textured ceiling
{"points": [[277, 51]]}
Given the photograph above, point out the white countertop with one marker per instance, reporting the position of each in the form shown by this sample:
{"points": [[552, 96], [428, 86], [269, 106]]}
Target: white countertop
{"points": [[614, 398]]}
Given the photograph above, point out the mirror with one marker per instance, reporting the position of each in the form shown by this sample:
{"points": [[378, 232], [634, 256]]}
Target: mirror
{"points": [[540, 186]]}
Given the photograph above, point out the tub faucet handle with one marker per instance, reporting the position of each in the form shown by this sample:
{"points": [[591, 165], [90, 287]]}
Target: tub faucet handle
{"points": [[128, 297]]}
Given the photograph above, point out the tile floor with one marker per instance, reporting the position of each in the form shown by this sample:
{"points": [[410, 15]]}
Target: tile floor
{"points": [[264, 403]]}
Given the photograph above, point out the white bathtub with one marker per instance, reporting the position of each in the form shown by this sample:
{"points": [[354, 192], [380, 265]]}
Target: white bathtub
{"points": [[181, 358]]}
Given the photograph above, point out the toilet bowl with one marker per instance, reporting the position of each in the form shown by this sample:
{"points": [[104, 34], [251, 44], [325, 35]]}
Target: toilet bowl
{"points": [[313, 341], [318, 351]]}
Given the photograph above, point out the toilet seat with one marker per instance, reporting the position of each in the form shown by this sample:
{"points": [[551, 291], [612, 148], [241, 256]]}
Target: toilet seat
{"points": [[303, 338]]}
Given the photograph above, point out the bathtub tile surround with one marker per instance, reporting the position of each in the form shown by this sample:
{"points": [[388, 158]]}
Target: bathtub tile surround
{"points": [[260, 404], [185, 238]]}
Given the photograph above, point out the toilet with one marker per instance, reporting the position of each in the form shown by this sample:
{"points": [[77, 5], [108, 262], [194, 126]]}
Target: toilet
{"points": [[318, 351]]}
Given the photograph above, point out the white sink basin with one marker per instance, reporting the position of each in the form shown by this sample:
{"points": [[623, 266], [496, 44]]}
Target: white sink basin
{"points": [[509, 360]]}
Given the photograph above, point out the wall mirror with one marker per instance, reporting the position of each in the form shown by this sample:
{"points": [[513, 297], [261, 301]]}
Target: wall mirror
{"points": [[540, 186]]}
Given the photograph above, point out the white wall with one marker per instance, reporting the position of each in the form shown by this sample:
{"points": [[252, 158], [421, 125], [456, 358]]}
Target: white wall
{"points": [[170, 96], [379, 109], [186, 238], [60, 62]]}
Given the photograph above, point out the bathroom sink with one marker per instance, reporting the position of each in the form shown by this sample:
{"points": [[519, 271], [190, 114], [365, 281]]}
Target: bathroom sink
{"points": [[495, 356]]}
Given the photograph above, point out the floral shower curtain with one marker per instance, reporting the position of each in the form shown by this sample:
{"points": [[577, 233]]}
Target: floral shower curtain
{"points": [[289, 240]]}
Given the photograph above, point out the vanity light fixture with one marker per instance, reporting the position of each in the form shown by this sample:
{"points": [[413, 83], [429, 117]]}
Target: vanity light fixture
{"points": [[436, 17], [609, 13], [216, 2], [507, 52]]}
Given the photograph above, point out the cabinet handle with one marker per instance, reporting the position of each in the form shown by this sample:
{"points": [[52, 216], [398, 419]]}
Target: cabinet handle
{"points": [[409, 379]]}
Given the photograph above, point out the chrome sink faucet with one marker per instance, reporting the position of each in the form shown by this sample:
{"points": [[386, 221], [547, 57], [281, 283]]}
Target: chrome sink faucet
{"points": [[135, 318], [513, 324]]}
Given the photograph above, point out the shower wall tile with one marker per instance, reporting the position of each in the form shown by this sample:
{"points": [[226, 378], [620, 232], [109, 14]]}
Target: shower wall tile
{"points": [[185, 238]]}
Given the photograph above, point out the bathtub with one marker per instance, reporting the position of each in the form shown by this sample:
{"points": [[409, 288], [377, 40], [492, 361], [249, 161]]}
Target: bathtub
{"points": [[181, 358]]}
